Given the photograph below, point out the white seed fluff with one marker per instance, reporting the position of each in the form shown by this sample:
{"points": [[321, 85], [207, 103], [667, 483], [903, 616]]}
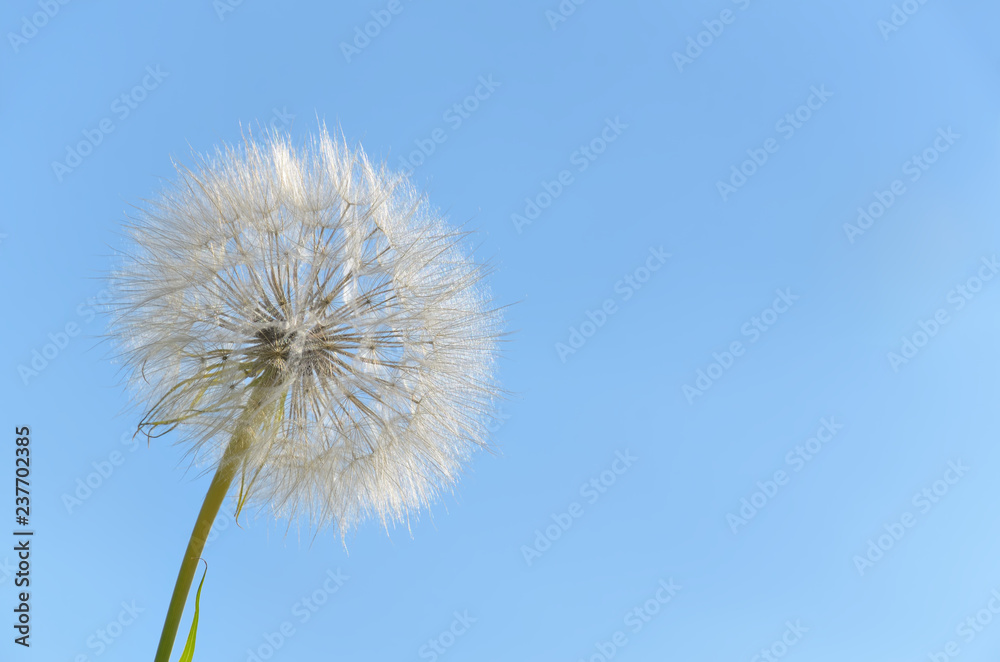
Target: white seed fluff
{"points": [[318, 304]]}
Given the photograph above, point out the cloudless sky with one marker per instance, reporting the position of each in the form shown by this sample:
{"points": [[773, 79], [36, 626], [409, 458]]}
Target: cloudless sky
{"points": [[600, 165]]}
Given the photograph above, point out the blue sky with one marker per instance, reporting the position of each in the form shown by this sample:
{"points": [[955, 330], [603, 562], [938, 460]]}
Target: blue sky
{"points": [[585, 153]]}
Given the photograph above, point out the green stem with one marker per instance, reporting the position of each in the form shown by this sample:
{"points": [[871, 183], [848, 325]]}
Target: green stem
{"points": [[209, 510], [229, 466]]}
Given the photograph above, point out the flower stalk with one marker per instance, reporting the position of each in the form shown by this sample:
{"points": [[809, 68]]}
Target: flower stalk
{"points": [[229, 466]]}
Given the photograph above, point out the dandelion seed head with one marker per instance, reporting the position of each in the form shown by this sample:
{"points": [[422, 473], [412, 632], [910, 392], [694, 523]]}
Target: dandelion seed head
{"points": [[317, 303]]}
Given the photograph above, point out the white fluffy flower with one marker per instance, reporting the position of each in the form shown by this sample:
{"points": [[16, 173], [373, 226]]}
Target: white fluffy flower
{"points": [[316, 309]]}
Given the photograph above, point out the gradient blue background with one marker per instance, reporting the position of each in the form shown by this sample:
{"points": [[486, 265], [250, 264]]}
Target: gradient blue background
{"points": [[654, 186]]}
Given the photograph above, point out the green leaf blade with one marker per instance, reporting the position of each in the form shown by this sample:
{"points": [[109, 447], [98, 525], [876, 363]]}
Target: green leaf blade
{"points": [[188, 654]]}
